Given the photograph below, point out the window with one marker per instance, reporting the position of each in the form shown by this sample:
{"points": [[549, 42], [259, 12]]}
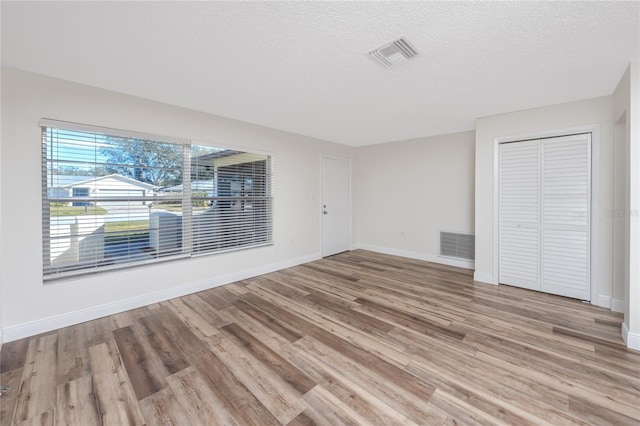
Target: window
{"points": [[114, 199]]}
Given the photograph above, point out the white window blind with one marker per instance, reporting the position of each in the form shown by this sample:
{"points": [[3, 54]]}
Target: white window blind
{"points": [[115, 199]]}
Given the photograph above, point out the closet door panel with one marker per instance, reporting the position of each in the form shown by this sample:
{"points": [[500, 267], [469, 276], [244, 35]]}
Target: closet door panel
{"points": [[566, 188], [520, 214]]}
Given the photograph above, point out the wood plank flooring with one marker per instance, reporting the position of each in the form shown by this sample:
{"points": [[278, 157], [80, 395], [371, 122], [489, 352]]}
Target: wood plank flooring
{"points": [[357, 338]]}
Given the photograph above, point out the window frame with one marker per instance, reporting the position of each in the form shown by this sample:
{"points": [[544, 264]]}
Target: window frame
{"points": [[188, 249]]}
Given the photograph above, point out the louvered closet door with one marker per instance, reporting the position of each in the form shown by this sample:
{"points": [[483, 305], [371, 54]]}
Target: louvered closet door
{"points": [[545, 199], [520, 214], [566, 178]]}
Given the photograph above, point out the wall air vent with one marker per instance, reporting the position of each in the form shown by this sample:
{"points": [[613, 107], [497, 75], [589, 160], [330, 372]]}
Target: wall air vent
{"points": [[393, 53], [457, 245]]}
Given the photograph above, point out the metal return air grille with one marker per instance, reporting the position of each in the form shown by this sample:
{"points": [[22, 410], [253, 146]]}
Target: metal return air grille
{"points": [[459, 246]]}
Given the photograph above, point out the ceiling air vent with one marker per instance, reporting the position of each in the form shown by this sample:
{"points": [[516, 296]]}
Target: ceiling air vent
{"points": [[394, 53]]}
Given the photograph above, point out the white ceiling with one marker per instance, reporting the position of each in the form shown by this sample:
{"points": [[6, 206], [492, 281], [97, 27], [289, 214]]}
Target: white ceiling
{"points": [[301, 66]]}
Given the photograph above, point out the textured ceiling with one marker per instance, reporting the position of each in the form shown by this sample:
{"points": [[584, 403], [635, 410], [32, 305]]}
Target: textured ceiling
{"points": [[301, 66]]}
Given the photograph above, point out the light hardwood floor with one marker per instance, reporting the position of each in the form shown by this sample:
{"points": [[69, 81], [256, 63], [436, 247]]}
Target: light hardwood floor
{"points": [[357, 338]]}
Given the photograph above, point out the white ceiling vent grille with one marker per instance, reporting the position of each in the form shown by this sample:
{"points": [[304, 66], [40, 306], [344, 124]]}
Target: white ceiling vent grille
{"points": [[394, 53]]}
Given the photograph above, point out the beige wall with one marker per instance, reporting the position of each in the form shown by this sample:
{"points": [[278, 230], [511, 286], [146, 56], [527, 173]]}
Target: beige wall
{"points": [[408, 191], [27, 98], [621, 193], [599, 112], [1, 280], [626, 229], [633, 320]]}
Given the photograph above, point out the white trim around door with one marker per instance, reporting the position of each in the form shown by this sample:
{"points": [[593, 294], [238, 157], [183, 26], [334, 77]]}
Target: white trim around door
{"points": [[594, 130]]}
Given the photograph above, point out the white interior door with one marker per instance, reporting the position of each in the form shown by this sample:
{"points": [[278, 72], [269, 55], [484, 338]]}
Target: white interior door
{"points": [[520, 214], [566, 213], [545, 211], [336, 206]]}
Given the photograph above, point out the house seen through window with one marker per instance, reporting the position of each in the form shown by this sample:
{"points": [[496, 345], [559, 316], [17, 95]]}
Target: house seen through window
{"points": [[112, 200]]}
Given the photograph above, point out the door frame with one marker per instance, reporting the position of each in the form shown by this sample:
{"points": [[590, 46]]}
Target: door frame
{"points": [[594, 129], [320, 227]]}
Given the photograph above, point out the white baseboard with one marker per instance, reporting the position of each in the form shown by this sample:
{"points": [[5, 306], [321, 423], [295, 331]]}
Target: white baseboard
{"points": [[617, 305], [483, 277], [64, 320], [416, 255], [604, 301], [632, 340]]}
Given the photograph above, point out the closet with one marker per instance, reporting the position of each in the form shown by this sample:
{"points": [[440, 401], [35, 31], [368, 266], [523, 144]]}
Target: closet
{"points": [[545, 214]]}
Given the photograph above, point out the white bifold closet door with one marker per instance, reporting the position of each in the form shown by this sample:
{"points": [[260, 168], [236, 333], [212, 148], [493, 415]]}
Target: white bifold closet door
{"points": [[545, 200]]}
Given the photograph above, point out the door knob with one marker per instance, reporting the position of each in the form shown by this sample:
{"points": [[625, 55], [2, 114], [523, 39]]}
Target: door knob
{"points": [[324, 212]]}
